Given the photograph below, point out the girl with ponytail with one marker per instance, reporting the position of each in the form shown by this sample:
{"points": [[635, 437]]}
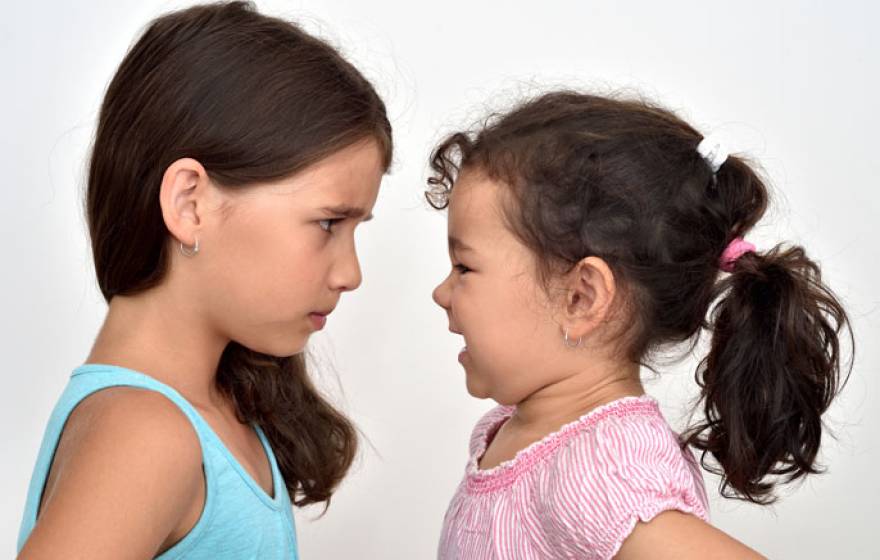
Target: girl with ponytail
{"points": [[587, 236], [234, 156]]}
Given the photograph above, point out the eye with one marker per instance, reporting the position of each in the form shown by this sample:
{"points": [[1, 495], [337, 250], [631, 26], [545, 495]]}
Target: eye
{"points": [[327, 225], [461, 269]]}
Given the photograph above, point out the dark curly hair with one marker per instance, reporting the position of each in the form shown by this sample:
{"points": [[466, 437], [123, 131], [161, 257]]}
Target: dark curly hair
{"points": [[253, 98], [621, 178]]}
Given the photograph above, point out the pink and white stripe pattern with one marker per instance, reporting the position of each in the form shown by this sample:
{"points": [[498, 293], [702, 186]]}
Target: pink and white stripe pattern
{"points": [[577, 493]]}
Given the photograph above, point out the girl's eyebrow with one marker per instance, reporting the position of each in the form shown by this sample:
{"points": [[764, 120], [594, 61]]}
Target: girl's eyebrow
{"points": [[349, 212], [456, 244]]}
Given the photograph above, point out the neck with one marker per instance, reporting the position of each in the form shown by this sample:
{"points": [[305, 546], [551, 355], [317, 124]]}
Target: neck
{"points": [[164, 336], [564, 401]]}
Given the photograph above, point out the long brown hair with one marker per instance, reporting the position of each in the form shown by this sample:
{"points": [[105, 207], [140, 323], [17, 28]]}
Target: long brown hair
{"points": [[622, 179], [252, 98]]}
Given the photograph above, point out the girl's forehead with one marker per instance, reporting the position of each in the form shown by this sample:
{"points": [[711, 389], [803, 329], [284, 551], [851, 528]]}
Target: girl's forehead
{"points": [[346, 179], [475, 213], [474, 197]]}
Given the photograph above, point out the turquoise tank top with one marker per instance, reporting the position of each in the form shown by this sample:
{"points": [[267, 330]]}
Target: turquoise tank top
{"points": [[239, 519]]}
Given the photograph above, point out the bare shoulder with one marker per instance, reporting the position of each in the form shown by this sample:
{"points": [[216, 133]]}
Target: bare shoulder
{"points": [[126, 470], [678, 535]]}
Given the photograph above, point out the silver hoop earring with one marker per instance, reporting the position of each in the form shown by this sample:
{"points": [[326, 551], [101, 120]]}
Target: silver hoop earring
{"points": [[187, 252], [568, 343]]}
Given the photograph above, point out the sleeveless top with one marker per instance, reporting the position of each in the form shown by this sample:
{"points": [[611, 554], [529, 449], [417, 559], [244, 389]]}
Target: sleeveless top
{"points": [[578, 492], [238, 520]]}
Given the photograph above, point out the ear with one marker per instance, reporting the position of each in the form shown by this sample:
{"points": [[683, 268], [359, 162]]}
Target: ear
{"points": [[590, 292], [182, 196]]}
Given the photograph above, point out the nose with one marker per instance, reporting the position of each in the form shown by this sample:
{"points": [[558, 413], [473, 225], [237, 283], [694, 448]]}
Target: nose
{"points": [[346, 275], [441, 294]]}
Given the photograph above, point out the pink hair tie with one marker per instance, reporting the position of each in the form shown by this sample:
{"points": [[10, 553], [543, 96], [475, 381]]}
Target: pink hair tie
{"points": [[737, 248]]}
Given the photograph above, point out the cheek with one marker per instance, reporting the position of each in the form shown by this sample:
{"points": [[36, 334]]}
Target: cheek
{"points": [[485, 320], [508, 340], [292, 275], [263, 274], [264, 305], [498, 323]]}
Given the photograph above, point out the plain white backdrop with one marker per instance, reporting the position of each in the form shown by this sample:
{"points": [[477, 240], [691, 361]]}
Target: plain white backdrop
{"points": [[794, 84]]}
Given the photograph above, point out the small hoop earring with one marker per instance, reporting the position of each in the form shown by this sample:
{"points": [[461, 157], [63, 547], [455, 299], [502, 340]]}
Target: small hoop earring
{"points": [[568, 343], [187, 252]]}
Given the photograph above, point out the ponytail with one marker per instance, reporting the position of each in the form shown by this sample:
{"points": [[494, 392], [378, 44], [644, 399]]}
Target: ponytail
{"points": [[772, 371]]}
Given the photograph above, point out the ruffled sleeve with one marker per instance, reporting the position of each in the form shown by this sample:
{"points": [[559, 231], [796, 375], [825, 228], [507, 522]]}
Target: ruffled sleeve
{"points": [[629, 468]]}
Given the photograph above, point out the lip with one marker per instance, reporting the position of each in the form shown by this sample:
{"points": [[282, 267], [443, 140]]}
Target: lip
{"points": [[318, 320], [462, 355]]}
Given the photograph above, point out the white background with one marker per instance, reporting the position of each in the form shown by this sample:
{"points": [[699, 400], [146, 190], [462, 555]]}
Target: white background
{"points": [[794, 84]]}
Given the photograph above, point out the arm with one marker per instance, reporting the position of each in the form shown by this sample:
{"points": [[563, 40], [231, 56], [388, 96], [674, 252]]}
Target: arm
{"points": [[681, 536], [130, 469]]}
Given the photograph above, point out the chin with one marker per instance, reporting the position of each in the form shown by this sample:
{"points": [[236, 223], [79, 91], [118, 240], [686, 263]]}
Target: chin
{"points": [[283, 348], [295, 349], [476, 391], [483, 392]]}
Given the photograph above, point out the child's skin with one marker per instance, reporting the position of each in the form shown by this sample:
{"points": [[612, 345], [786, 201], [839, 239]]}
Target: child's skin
{"points": [[514, 331], [284, 253]]}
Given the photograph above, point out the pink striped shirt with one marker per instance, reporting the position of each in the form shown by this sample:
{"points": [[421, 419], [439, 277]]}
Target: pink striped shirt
{"points": [[577, 493]]}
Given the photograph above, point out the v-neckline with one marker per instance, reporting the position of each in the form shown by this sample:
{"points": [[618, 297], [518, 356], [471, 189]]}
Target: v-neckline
{"points": [[239, 466]]}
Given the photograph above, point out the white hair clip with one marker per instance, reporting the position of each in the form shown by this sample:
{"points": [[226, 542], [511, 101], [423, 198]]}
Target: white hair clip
{"points": [[713, 152]]}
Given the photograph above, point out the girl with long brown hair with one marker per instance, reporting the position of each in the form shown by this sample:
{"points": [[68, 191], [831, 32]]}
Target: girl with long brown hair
{"points": [[234, 157]]}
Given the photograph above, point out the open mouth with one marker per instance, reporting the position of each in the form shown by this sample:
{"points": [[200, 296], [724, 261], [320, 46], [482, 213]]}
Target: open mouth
{"points": [[464, 348]]}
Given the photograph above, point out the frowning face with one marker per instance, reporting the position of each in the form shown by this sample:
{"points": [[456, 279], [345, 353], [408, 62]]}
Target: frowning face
{"points": [[284, 252]]}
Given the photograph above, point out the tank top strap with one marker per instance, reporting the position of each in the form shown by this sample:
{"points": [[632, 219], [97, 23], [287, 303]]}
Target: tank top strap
{"points": [[88, 378], [91, 377], [84, 381]]}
